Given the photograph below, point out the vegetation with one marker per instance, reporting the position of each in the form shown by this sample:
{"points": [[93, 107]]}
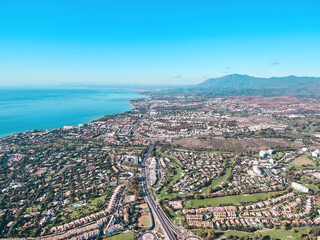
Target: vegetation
{"points": [[302, 161], [145, 221], [122, 236], [231, 200], [219, 180], [298, 234]]}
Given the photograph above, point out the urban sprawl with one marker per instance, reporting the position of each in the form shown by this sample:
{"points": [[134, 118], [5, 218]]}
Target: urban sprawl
{"points": [[173, 167]]}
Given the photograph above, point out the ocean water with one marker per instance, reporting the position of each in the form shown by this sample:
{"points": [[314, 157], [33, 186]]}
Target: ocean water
{"points": [[29, 109]]}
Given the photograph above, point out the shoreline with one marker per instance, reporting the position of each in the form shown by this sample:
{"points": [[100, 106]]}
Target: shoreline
{"points": [[93, 120], [128, 102]]}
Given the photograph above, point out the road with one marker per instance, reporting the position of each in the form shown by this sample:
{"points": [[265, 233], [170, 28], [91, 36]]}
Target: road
{"points": [[135, 128], [158, 215], [170, 229]]}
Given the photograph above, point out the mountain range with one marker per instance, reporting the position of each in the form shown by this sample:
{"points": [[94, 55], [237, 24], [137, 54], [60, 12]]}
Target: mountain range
{"points": [[238, 81], [291, 85]]}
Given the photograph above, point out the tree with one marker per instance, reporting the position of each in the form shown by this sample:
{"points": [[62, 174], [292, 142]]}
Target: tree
{"points": [[211, 234], [285, 225], [197, 196]]}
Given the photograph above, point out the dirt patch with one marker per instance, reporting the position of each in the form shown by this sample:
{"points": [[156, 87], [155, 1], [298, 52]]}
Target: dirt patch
{"points": [[233, 145], [40, 171], [302, 161]]}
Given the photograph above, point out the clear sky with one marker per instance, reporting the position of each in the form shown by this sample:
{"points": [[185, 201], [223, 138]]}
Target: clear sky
{"points": [[155, 41]]}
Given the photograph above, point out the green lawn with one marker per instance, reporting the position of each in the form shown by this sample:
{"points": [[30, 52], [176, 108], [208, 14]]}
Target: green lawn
{"points": [[278, 155], [217, 181], [145, 221], [176, 160], [273, 233], [48, 179], [91, 207], [312, 186], [122, 236], [284, 234], [125, 149], [35, 208], [174, 179], [174, 217], [235, 199], [152, 193]]}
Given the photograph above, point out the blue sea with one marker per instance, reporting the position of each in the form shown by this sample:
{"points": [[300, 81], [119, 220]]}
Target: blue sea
{"points": [[29, 109]]}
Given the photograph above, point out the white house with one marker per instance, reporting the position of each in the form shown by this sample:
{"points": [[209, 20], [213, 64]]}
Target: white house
{"points": [[264, 153], [299, 187], [316, 153], [257, 170]]}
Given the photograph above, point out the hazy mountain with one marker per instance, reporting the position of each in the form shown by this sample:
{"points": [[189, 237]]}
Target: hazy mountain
{"points": [[238, 81]]}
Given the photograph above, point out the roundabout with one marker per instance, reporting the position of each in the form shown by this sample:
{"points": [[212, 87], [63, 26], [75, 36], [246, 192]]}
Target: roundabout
{"points": [[148, 236]]}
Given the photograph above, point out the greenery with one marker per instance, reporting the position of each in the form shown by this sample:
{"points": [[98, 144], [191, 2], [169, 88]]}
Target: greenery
{"points": [[298, 234], [217, 181], [235, 200], [176, 160], [175, 174], [145, 221], [176, 218], [122, 236], [302, 161]]}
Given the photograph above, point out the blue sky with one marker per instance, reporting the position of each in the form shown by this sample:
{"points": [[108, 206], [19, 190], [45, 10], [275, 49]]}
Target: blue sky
{"points": [[155, 42]]}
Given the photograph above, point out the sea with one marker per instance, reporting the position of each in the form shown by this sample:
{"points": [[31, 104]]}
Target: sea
{"points": [[28, 109]]}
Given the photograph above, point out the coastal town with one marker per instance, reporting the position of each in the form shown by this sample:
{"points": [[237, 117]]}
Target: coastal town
{"points": [[174, 167]]}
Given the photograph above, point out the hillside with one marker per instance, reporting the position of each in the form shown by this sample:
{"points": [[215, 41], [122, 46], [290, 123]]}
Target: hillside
{"points": [[238, 82]]}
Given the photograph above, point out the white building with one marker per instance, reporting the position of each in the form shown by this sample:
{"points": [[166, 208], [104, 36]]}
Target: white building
{"points": [[257, 170], [272, 162], [316, 153], [153, 171], [299, 187], [264, 153]]}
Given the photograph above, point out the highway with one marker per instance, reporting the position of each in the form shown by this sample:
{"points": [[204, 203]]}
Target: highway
{"points": [[170, 229], [135, 128], [158, 215]]}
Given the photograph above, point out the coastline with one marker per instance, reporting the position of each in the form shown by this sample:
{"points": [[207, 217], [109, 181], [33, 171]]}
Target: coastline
{"points": [[128, 102]]}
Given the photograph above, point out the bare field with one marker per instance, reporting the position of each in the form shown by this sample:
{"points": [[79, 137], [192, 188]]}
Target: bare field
{"points": [[302, 161], [222, 144], [281, 103]]}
